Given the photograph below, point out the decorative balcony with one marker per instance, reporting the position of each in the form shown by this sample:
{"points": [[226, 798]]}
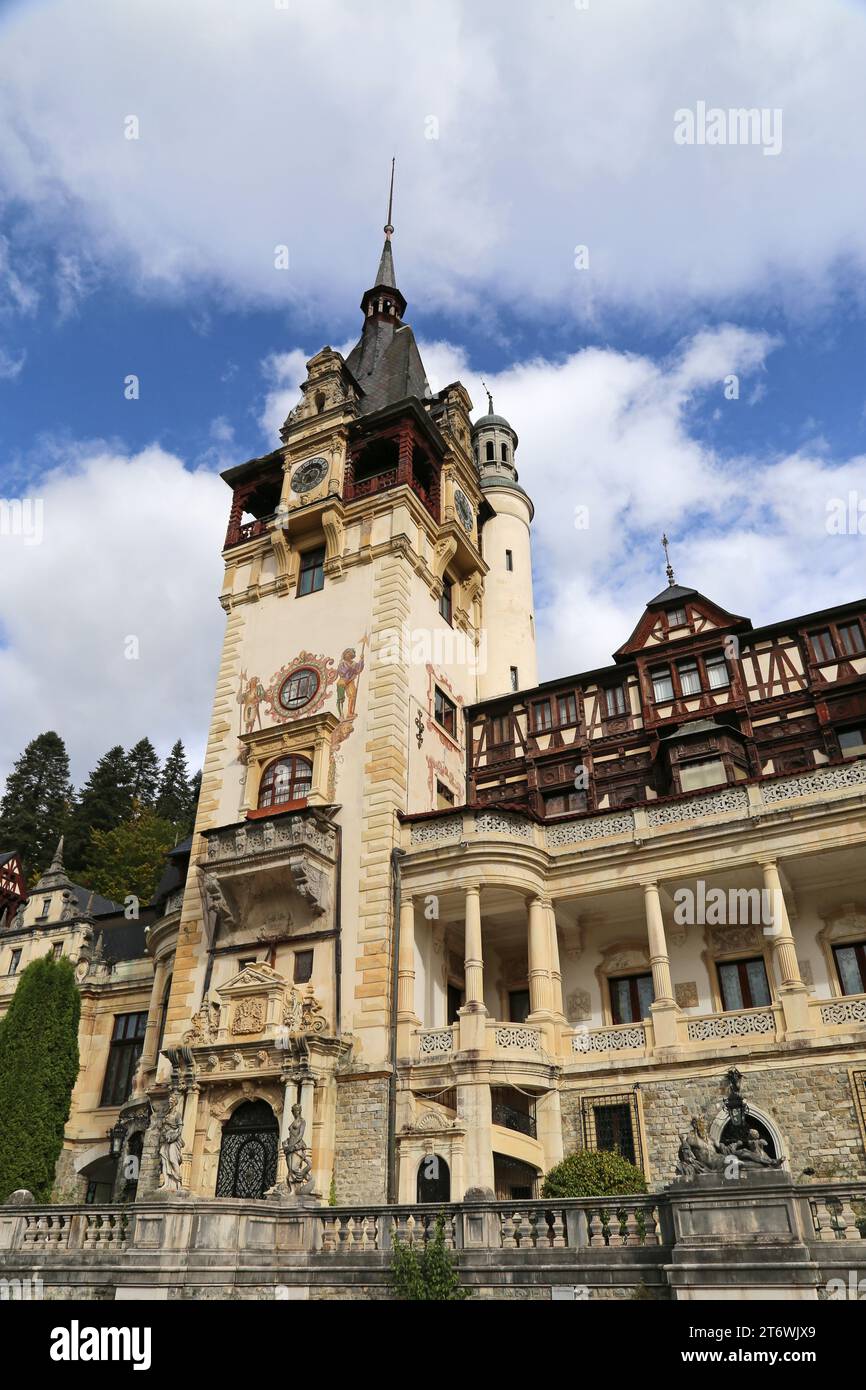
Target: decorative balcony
{"points": [[251, 866]]}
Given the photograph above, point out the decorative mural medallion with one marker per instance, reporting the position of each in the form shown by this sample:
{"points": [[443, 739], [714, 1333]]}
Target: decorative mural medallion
{"points": [[308, 475], [300, 687], [464, 509]]}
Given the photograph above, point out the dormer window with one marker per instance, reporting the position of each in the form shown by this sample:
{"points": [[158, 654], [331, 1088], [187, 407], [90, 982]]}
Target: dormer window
{"points": [[44, 910], [676, 617]]}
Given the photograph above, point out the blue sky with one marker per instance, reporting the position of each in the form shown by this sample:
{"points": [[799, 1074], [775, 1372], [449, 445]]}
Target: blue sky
{"points": [[521, 133]]}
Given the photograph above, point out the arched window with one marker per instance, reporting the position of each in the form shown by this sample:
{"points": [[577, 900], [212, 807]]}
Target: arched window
{"points": [[434, 1179], [490, 451], [248, 1153], [287, 779]]}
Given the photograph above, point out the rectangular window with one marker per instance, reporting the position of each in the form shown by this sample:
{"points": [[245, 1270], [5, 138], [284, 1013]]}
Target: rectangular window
{"points": [[454, 1002], [44, 910], [615, 699], [710, 773], [14, 962], [630, 998], [610, 1124], [560, 803], [566, 709], [690, 677], [514, 678], [445, 603], [303, 967], [509, 560], [444, 796], [58, 950], [518, 1005], [852, 741], [743, 984], [676, 617], [822, 645], [127, 1041], [245, 964], [663, 689], [851, 639], [542, 718], [445, 712], [851, 965], [718, 677], [312, 575]]}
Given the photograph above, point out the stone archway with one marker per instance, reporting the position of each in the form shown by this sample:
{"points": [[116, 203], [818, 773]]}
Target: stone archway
{"points": [[434, 1180], [248, 1152], [759, 1120]]}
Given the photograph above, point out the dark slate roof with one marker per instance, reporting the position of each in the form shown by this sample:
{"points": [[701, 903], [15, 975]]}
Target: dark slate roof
{"points": [[122, 940], [671, 594], [385, 273], [387, 365], [99, 906], [175, 871]]}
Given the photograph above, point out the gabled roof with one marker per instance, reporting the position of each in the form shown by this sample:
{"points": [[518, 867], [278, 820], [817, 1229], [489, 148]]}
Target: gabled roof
{"points": [[387, 365], [719, 618]]}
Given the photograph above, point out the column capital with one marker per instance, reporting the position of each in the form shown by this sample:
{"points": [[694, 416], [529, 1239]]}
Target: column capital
{"points": [[649, 884], [472, 888]]}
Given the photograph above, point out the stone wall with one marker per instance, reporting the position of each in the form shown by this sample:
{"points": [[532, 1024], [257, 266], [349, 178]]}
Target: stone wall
{"points": [[68, 1185], [361, 1139], [812, 1107]]}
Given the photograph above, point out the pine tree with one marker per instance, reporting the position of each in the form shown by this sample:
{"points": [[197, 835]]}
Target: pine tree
{"points": [[174, 799], [36, 804], [194, 794], [143, 764], [104, 802], [130, 858], [38, 1067]]}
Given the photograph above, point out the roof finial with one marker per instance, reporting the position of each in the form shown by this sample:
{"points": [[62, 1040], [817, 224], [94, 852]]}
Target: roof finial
{"points": [[389, 229], [489, 397], [670, 571], [56, 865]]}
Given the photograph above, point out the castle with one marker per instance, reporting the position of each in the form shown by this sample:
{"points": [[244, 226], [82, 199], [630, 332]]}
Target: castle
{"points": [[466, 922]]}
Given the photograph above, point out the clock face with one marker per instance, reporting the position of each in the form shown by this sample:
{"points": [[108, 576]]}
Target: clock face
{"points": [[464, 509], [309, 474]]}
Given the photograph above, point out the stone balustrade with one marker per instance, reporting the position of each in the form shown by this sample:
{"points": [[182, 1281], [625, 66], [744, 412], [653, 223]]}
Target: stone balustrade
{"points": [[665, 1242], [618, 1037]]}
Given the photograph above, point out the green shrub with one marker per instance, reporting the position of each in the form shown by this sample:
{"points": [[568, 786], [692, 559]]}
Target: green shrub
{"points": [[431, 1274], [593, 1173], [38, 1068]]}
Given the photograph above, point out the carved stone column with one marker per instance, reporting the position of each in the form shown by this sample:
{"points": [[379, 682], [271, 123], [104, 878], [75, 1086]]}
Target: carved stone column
{"points": [[473, 1014], [555, 968], [664, 1009], [792, 991], [539, 958], [406, 964]]}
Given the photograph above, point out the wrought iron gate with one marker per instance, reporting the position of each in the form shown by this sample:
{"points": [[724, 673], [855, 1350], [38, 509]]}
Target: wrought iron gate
{"points": [[248, 1153]]}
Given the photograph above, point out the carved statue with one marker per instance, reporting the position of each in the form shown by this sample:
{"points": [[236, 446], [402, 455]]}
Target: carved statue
{"points": [[754, 1151], [205, 1024], [697, 1154], [170, 1150], [299, 1162]]}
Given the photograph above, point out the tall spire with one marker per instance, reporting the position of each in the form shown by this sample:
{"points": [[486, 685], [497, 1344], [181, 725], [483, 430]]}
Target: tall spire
{"points": [[385, 273], [669, 567]]}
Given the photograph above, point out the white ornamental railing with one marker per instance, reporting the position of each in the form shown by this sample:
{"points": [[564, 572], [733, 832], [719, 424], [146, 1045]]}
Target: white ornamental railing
{"points": [[851, 1010], [619, 1038], [435, 1042], [517, 1035], [748, 1024]]}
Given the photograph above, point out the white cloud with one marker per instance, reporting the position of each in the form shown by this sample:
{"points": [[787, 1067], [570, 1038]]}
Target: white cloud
{"points": [[132, 544], [130, 548], [555, 128]]}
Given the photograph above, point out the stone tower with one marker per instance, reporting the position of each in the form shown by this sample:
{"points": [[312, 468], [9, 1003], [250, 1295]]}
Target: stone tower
{"points": [[356, 634]]}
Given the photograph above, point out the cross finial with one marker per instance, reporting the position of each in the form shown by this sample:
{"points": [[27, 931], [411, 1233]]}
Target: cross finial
{"points": [[670, 571], [489, 397], [389, 229]]}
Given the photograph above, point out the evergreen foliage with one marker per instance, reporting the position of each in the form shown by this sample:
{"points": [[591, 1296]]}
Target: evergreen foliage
{"points": [[36, 804], [174, 799], [593, 1173], [143, 773], [38, 1068], [129, 859], [105, 801]]}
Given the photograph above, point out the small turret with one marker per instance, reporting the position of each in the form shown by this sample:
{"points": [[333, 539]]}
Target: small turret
{"points": [[507, 548]]}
